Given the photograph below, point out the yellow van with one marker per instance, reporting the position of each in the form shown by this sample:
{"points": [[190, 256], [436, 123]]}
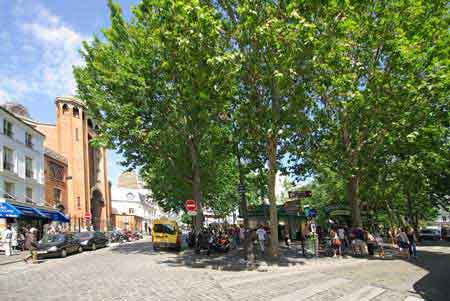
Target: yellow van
{"points": [[166, 234]]}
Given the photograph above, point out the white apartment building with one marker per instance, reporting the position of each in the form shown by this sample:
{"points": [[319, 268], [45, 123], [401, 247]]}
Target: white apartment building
{"points": [[135, 202], [21, 160]]}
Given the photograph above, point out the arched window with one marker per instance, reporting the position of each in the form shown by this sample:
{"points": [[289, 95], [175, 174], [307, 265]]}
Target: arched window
{"points": [[76, 112], [65, 108]]}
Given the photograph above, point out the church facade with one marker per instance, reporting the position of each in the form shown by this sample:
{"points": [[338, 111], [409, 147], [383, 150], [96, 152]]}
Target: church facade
{"points": [[86, 188]]}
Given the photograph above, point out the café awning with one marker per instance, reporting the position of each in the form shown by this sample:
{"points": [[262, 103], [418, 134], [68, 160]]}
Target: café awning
{"points": [[16, 210], [54, 215], [8, 210]]}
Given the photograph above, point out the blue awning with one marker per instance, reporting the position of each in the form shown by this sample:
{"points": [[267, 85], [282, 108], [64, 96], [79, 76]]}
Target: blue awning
{"points": [[54, 215], [28, 211], [8, 210]]}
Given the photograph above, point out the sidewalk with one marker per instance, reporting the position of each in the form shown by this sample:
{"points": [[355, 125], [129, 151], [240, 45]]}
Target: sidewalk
{"points": [[234, 259], [4, 260]]}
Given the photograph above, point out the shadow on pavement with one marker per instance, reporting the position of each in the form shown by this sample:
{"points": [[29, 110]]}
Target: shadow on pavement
{"points": [[435, 285], [231, 261]]}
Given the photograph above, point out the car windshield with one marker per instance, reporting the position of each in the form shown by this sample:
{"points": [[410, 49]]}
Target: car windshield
{"points": [[53, 238], [427, 231], [164, 228], [84, 235]]}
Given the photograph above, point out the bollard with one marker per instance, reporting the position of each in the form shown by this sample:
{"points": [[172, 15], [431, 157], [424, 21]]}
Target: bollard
{"points": [[34, 256]]}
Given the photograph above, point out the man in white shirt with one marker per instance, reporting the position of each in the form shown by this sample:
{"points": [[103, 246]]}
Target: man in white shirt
{"points": [[261, 233], [7, 239]]}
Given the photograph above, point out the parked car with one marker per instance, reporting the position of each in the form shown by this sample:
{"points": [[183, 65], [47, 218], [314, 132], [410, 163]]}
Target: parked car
{"points": [[92, 240], [427, 234], [58, 245]]}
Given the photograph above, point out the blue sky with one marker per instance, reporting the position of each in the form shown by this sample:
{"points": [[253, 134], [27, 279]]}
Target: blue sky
{"points": [[39, 43]]}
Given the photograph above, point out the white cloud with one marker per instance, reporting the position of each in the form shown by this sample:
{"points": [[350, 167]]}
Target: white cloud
{"points": [[50, 48]]}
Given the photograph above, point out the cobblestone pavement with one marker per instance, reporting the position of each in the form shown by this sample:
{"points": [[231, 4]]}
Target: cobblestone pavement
{"points": [[133, 272]]}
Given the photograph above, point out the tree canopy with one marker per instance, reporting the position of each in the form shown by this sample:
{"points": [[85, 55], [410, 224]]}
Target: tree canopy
{"points": [[351, 93]]}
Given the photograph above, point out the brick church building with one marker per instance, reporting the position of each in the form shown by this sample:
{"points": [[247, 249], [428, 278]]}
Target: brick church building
{"points": [[74, 169]]}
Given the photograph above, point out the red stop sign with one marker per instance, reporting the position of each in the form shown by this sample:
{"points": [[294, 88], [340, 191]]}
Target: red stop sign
{"points": [[191, 205], [87, 215]]}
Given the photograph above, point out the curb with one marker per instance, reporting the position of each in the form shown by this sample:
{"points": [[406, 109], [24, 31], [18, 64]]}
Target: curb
{"points": [[11, 262]]}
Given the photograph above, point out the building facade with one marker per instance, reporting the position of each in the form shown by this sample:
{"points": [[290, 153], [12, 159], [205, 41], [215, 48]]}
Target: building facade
{"points": [[55, 174], [87, 187], [132, 207], [22, 199], [22, 160]]}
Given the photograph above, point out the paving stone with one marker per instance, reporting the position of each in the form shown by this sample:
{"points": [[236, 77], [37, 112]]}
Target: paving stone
{"points": [[134, 272]]}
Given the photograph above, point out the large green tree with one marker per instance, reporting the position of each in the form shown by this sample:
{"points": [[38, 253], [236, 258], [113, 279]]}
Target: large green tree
{"points": [[157, 83], [272, 40], [375, 71]]}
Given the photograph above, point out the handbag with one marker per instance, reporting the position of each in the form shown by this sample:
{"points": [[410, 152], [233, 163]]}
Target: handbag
{"points": [[336, 242]]}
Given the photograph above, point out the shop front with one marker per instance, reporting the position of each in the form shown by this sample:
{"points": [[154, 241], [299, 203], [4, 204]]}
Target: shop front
{"points": [[26, 216], [289, 218]]}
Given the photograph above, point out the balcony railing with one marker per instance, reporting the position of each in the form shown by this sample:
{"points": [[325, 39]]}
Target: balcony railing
{"points": [[29, 173], [29, 144], [8, 166], [9, 196]]}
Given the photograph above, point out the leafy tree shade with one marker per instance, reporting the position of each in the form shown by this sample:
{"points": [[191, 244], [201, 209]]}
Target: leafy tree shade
{"points": [[156, 84], [273, 44], [381, 67]]}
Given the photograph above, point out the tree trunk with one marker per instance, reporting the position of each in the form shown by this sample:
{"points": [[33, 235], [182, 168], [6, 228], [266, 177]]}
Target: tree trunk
{"points": [[196, 185], [271, 179], [248, 245], [353, 200]]}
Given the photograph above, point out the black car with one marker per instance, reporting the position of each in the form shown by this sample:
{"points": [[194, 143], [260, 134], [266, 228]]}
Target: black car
{"points": [[92, 240], [58, 245]]}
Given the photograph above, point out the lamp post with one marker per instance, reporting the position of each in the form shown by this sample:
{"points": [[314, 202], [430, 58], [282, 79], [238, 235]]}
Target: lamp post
{"points": [[248, 246]]}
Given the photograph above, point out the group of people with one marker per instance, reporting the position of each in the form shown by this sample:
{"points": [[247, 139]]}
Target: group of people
{"points": [[359, 240], [25, 239], [28, 237], [407, 242], [363, 243]]}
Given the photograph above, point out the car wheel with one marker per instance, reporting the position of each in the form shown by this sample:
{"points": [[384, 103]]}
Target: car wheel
{"points": [[94, 247], [80, 249], [63, 253]]}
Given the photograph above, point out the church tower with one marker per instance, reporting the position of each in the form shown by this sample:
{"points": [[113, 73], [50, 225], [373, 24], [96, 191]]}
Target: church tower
{"points": [[87, 182]]}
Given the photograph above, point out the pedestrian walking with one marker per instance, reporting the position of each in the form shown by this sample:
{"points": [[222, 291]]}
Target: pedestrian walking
{"points": [[14, 240], [286, 236], [370, 241], [412, 242], [403, 243], [341, 235], [30, 244], [335, 243], [237, 235], [261, 234], [7, 240]]}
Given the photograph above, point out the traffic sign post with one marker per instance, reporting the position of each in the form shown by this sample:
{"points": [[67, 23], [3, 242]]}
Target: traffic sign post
{"points": [[300, 194], [191, 207]]}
